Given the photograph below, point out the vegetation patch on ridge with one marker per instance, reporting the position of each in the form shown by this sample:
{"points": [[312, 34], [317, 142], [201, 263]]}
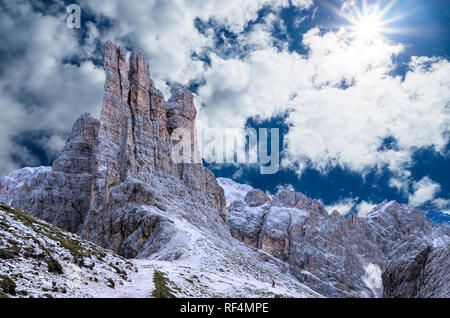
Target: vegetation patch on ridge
{"points": [[162, 290]]}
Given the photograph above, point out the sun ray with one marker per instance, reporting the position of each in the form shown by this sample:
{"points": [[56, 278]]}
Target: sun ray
{"points": [[369, 22]]}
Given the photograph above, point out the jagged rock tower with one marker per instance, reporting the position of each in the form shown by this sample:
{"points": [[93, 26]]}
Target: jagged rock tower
{"points": [[115, 178]]}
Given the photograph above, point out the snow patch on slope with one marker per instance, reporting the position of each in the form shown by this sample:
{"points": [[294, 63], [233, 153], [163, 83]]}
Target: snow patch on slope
{"points": [[233, 190], [379, 210], [373, 278], [209, 267]]}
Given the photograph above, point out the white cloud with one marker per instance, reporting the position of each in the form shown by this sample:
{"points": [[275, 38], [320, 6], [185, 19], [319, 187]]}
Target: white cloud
{"points": [[401, 181], [283, 187], [347, 205], [166, 31], [332, 125], [442, 205], [343, 206], [260, 84], [425, 190], [364, 207], [38, 91]]}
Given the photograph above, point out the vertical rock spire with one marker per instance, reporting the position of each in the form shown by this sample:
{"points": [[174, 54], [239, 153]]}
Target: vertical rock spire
{"points": [[117, 84], [181, 113], [113, 153], [78, 152], [152, 143], [140, 82], [114, 150]]}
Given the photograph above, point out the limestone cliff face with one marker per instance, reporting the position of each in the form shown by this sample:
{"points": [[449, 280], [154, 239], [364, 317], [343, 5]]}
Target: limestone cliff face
{"points": [[115, 178], [343, 257]]}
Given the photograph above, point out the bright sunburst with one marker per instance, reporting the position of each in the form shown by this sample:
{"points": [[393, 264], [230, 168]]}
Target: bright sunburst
{"points": [[370, 22], [367, 23], [368, 27]]}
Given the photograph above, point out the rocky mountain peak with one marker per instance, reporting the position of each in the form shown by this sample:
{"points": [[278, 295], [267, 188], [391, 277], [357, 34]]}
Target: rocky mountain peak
{"points": [[180, 109], [117, 84], [77, 155], [115, 177]]}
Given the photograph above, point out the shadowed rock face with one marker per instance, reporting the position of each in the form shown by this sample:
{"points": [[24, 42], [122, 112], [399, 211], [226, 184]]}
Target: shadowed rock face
{"points": [[115, 180], [256, 198], [417, 268], [335, 256], [78, 153]]}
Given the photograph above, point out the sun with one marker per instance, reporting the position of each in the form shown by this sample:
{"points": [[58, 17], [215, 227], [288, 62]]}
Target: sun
{"points": [[367, 28], [369, 23]]}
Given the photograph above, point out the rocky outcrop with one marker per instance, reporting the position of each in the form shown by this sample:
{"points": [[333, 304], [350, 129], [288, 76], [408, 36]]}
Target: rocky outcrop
{"points": [[335, 256], [417, 268], [181, 113], [60, 194], [78, 153], [256, 198], [115, 182]]}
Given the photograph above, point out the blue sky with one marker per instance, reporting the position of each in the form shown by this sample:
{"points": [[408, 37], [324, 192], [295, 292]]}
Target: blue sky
{"points": [[361, 119]]}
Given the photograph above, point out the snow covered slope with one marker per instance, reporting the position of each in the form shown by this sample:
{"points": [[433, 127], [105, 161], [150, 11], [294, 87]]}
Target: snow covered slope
{"points": [[40, 260], [43, 261]]}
